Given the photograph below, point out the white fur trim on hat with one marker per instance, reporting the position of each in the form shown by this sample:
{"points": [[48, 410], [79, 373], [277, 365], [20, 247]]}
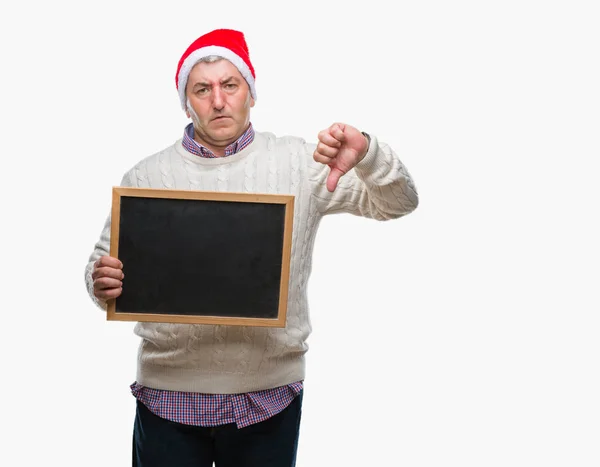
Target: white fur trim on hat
{"points": [[199, 54]]}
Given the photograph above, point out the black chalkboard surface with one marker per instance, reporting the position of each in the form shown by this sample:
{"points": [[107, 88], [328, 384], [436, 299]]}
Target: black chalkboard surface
{"points": [[201, 257]]}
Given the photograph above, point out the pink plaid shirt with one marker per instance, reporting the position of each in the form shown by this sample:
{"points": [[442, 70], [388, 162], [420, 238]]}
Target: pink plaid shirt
{"points": [[216, 409], [198, 409]]}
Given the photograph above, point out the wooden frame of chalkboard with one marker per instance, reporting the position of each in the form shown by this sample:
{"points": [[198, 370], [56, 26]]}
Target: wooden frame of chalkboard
{"points": [[201, 257]]}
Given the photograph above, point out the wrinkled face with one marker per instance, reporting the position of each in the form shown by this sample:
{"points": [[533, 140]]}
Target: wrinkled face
{"points": [[219, 103]]}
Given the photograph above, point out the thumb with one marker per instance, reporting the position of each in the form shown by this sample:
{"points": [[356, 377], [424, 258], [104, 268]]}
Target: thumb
{"points": [[333, 178]]}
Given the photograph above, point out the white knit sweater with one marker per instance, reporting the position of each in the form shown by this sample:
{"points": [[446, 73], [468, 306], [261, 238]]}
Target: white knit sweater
{"points": [[236, 359]]}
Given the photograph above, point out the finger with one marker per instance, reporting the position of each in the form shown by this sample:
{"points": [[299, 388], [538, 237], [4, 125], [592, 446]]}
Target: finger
{"points": [[327, 150], [326, 138], [332, 180], [109, 261], [107, 283], [108, 272], [337, 131], [323, 159], [108, 294]]}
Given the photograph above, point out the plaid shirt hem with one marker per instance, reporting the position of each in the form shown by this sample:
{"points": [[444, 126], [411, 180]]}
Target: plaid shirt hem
{"points": [[198, 409]]}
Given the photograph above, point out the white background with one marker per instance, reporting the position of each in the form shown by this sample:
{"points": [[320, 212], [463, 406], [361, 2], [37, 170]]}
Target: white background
{"points": [[465, 334]]}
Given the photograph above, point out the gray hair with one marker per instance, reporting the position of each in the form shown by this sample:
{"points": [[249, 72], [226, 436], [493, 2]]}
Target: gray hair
{"points": [[210, 59]]}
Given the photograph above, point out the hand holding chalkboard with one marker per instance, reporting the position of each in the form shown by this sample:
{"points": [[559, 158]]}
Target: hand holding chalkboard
{"points": [[108, 276]]}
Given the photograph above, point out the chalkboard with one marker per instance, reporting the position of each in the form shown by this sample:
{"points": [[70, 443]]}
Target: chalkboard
{"points": [[201, 257]]}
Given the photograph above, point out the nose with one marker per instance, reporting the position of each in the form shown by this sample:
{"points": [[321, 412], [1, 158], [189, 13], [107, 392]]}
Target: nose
{"points": [[218, 98]]}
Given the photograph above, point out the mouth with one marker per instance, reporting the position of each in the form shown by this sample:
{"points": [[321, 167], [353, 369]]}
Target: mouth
{"points": [[220, 117]]}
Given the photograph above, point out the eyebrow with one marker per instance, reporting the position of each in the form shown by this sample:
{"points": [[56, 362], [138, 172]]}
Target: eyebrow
{"points": [[207, 85]]}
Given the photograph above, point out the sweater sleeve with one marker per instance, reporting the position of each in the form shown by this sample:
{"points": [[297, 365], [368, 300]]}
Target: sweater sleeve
{"points": [[102, 248], [378, 187]]}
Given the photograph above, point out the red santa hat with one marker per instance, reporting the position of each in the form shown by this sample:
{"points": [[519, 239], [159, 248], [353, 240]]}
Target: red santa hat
{"points": [[226, 43]]}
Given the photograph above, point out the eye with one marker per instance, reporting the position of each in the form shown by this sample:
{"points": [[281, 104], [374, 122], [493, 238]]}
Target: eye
{"points": [[230, 86], [201, 91]]}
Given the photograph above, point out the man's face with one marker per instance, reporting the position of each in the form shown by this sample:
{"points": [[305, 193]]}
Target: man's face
{"points": [[219, 103]]}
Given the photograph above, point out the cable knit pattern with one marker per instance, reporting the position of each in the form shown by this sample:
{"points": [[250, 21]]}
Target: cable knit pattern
{"points": [[235, 359], [165, 170]]}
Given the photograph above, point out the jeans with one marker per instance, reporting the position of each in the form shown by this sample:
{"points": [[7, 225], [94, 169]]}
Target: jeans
{"points": [[158, 442]]}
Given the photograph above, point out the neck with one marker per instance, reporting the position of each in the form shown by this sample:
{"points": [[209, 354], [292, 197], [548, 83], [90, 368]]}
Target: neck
{"points": [[218, 147]]}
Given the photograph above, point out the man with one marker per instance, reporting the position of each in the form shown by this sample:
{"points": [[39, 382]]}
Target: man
{"points": [[232, 394]]}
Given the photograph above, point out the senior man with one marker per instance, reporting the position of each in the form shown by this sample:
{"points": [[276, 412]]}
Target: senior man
{"points": [[232, 395]]}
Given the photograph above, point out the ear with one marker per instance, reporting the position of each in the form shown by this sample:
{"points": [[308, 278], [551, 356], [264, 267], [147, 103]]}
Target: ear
{"points": [[251, 101]]}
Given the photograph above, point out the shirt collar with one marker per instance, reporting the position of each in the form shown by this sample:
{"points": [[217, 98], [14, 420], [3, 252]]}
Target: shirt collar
{"points": [[199, 150]]}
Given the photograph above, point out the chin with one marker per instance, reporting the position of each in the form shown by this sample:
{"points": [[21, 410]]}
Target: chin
{"points": [[222, 138], [226, 132]]}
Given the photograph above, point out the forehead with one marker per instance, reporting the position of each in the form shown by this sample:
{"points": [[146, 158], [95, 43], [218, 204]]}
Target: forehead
{"points": [[213, 72]]}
